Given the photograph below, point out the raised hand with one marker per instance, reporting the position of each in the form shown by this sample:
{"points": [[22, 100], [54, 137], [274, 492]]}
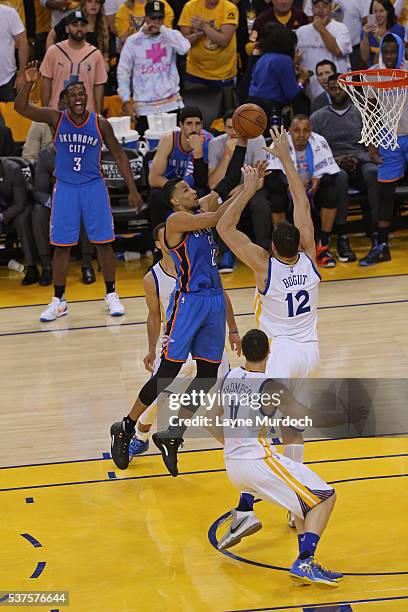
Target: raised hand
{"points": [[251, 178], [280, 148], [31, 72]]}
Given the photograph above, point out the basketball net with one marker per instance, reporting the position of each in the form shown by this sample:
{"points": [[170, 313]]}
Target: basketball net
{"points": [[380, 97]]}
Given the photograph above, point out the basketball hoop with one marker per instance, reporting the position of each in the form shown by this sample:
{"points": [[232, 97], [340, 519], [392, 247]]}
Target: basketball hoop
{"points": [[379, 95]]}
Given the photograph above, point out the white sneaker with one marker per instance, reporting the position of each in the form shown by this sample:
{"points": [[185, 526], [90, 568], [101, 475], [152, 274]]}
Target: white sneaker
{"points": [[116, 309], [56, 308], [243, 524]]}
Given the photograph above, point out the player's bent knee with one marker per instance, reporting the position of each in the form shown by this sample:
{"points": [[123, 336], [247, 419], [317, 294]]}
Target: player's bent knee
{"points": [[165, 374]]}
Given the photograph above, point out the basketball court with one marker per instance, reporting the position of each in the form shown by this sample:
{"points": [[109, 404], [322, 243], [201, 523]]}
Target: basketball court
{"points": [[142, 540]]}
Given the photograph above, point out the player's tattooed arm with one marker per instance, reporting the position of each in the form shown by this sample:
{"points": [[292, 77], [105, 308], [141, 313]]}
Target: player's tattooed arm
{"points": [[122, 161], [153, 320], [301, 213], [22, 103], [233, 335]]}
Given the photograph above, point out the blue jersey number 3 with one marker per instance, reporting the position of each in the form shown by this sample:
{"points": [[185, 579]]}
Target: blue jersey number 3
{"points": [[300, 301]]}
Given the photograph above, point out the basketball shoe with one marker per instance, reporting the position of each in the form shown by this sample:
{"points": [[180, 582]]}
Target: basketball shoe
{"points": [[324, 258], [137, 447], [168, 448], [309, 571], [378, 254], [116, 309], [56, 308], [243, 524], [120, 441]]}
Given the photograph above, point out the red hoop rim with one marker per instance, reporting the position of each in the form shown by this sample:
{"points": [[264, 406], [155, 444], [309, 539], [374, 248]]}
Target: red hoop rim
{"points": [[400, 81]]}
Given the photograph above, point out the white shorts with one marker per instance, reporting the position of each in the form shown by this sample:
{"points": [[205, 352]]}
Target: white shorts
{"points": [[279, 480], [292, 359]]}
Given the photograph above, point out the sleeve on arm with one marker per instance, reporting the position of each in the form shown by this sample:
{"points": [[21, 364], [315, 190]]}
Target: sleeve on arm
{"points": [[289, 82], [124, 72], [15, 23], [230, 15], [46, 68], [185, 17], [101, 76], [343, 40]]}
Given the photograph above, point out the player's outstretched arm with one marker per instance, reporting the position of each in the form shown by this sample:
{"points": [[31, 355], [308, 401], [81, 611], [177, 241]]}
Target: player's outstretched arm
{"points": [[153, 320], [251, 254], [301, 215], [22, 104], [122, 161]]}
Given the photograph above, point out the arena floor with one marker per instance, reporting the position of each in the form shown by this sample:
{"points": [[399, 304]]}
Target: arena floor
{"points": [[142, 541]]}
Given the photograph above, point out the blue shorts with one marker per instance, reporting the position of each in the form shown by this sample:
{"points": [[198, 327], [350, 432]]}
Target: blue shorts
{"points": [[73, 202], [394, 162], [196, 325]]}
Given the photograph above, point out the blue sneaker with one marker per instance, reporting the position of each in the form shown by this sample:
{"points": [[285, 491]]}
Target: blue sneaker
{"points": [[309, 571], [227, 263], [378, 254], [137, 447]]}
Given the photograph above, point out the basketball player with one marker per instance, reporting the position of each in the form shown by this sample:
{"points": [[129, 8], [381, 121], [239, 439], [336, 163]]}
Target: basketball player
{"points": [[254, 465], [158, 285], [196, 318], [80, 191], [286, 306]]}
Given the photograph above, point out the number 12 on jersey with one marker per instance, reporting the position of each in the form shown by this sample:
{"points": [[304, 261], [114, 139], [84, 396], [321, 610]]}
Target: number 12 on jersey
{"points": [[298, 303]]}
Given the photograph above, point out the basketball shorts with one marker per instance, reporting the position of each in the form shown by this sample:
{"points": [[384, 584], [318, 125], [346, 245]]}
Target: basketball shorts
{"points": [[279, 480], [73, 202], [195, 325], [394, 162], [293, 363]]}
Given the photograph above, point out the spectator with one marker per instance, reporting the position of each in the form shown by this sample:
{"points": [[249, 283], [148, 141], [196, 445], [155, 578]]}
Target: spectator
{"points": [[386, 21], [97, 33], [59, 9], [130, 18], [148, 68], [324, 69], [15, 213], [322, 38], [220, 151], [318, 170], [283, 12], [111, 8], [12, 34], [182, 153], [353, 13], [70, 61], [392, 164], [39, 135], [210, 26], [274, 82], [43, 188], [340, 123], [42, 27]]}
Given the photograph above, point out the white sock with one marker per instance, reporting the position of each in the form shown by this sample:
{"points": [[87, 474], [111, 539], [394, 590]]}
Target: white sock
{"points": [[141, 435], [296, 452]]}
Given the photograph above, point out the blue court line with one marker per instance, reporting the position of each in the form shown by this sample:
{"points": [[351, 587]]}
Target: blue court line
{"points": [[31, 539], [192, 473], [322, 605], [133, 297], [206, 450], [124, 324], [39, 569]]}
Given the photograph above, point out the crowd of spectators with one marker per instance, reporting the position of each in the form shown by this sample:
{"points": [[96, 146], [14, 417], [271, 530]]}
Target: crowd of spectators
{"points": [[284, 55]]}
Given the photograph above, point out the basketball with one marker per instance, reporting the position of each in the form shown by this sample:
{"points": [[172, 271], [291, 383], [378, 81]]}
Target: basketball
{"points": [[249, 120]]}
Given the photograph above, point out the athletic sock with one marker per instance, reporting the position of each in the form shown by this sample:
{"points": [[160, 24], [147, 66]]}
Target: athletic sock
{"points": [[308, 545], [128, 425], [383, 233], [324, 238], [300, 540], [246, 502], [141, 435], [59, 291], [296, 452], [110, 287]]}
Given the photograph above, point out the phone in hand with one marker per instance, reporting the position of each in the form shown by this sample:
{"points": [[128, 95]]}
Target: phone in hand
{"points": [[371, 20]]}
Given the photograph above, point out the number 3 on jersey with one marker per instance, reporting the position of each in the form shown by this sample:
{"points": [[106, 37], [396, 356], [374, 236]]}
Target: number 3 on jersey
{"points": [[77, 164], [300, 301]]}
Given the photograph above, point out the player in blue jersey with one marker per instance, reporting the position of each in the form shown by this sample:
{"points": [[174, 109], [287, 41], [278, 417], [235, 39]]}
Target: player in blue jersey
{"points": [[196, 315], [80, 190]]}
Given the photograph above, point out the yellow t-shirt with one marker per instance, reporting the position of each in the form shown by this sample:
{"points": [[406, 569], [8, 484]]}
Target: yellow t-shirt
{"points": [[129, 18], [206, 59], [42, 18], [17, 5]]}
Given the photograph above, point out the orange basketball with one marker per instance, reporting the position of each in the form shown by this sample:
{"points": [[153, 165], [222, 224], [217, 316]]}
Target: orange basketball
{"points": [[249, 120]]}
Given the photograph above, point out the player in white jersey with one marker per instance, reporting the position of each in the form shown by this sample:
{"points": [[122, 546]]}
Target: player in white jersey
{"points": [[286, 297], [158, 285], [249, 399]]}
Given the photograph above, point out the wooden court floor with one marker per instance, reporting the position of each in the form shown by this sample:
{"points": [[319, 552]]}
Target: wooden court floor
{"points": [[140, 540]]}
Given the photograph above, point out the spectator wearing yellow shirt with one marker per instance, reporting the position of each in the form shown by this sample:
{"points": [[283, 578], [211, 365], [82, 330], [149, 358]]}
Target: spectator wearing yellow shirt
{"points": [[17, 5], [210, 26], [130, 17], [42, 27]]}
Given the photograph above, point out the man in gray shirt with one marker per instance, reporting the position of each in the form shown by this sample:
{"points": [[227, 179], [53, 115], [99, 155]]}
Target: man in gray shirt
{"points": [[220, 151], [340, 123]]}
